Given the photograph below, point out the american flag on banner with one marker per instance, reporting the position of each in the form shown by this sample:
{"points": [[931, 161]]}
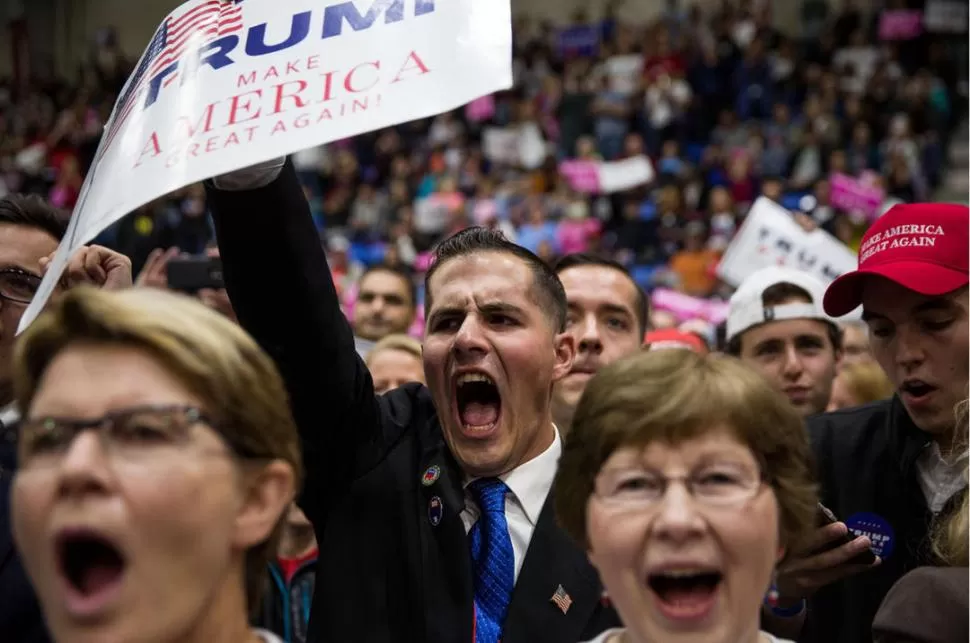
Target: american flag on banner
{"points": [[204, 23], [562, 600]]}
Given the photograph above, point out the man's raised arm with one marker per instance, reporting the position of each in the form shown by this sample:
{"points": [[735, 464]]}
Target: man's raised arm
{"points": [[278, 280]]}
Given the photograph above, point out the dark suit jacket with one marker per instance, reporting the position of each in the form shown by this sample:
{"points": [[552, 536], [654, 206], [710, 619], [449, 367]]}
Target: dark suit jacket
{"points": [[386, 573], [20, 616]]}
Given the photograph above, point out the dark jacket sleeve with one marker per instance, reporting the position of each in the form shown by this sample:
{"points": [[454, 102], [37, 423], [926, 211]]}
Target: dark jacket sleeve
{"points": [[278, 280]]}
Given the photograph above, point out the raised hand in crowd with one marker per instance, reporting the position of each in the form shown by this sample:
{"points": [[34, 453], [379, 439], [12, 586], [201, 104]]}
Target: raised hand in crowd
{"points": [[216, 298], [154, 273], [96, 266], [819, 564]]}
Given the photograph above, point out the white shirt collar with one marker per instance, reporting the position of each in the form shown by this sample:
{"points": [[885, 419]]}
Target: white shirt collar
{"points": [[941, 478], [531, 481]]}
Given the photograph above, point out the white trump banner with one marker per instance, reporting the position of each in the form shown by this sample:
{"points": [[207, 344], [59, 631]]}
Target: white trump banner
{"points": [[225, 84], [770, 236]]}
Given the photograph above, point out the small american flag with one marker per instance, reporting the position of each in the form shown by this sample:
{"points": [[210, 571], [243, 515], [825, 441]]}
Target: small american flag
{"points": [[562, 599], [206, 22]]}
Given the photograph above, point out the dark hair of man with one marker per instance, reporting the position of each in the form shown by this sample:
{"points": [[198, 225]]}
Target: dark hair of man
{"points": [[31, 211], [784, 293], [398, 272], [548, 290], [578, 259]]}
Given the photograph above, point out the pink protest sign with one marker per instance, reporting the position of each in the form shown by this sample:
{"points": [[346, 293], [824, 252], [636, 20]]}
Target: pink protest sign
{"points": [[480, 109], [686, 307], [422, 262], [855, 195], [900, 24], [583, 176]]}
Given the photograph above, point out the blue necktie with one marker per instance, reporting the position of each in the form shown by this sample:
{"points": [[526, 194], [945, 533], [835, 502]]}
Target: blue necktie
{"points": [[492, 559]]}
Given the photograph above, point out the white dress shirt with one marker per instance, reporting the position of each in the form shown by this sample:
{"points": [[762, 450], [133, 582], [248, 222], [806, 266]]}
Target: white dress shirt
{"points": [[529, 483], [940, 478]]}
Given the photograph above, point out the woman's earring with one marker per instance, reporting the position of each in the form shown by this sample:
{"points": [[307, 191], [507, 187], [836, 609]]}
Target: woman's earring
{"points": [[772, 598]]}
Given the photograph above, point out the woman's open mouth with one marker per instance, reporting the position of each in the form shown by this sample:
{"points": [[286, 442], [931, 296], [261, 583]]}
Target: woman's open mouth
{"points": [[478, 404], [92, 568], [685, 595]]}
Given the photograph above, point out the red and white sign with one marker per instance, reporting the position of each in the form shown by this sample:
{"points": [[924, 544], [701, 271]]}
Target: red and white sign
{"points": [[225, 84], [592, 177], [685, 307]]}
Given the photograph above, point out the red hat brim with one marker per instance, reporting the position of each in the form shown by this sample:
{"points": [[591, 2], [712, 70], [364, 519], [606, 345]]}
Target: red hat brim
{"points": [[845, 293]]}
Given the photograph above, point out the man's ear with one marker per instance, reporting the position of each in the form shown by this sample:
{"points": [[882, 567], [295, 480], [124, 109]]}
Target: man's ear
{"points": [[269, 491], [565, 353]]}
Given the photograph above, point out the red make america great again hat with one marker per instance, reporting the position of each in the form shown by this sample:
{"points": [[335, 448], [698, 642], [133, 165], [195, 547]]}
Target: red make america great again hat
{"points": [[920, 246]]}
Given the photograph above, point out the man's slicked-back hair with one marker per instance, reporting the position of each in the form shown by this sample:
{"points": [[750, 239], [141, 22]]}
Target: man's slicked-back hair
{"points": [[548, 290], [579, 259], [31, 211]]}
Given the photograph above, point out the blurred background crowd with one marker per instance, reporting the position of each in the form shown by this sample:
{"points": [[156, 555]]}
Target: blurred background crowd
{"points": [[725, 106]]}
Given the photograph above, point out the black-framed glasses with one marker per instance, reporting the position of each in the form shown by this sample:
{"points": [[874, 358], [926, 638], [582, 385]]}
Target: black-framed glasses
{"points": [[721, 485], [130, 434], [18, 285]]}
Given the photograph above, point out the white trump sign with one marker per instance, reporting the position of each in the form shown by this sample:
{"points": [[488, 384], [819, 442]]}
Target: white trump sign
{"points": [[225, 84], [770, 236]]}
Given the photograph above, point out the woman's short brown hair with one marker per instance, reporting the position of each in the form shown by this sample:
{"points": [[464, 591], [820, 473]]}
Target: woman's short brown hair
{"points": [[675, 395], [867, 382], [237, 382], [397, 342]]}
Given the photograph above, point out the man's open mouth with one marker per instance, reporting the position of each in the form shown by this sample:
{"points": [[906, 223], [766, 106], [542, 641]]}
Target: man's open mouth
{"points": [[89, 562], [916, 389], [478, 401], [685, 594]]}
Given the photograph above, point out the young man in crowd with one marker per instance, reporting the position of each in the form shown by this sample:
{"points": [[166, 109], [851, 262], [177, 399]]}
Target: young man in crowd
{"points": [[385, 306], [430, 503], [888, 471], [29, 233], [855, 342], [776, 325], [607, 316]]}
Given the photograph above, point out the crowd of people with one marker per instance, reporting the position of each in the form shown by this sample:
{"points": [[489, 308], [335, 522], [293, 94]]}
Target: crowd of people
{"points": [[466, 420], [725, 106]]}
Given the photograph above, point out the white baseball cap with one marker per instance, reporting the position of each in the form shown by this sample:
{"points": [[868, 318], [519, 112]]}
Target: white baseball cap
{"points": [[746, 308]]}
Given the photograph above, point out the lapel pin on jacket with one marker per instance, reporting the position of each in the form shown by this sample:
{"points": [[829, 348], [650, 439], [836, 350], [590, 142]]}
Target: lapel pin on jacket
{"points": [[431, 475], [562, 600], [435, 509]]}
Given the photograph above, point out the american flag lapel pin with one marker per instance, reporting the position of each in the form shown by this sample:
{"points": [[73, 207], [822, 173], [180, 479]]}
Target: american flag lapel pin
{"points": [[562, 600]]}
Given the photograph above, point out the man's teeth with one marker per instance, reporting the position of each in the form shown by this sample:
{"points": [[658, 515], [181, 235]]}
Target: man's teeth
{"points": [[474, 377]]}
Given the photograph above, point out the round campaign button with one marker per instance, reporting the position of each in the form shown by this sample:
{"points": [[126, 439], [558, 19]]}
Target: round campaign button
{"points": [[876, 529]]}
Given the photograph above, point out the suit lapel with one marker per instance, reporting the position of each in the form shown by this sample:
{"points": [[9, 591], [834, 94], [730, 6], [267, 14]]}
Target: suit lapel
{"points": [[447, 583], [552, 561]]}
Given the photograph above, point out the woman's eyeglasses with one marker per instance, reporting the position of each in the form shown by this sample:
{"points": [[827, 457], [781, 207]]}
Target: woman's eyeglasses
{"points": [[714, 486], [130, 434], [18, 285]]}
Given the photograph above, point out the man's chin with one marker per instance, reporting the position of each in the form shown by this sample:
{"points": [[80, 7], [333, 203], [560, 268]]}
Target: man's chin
{"points": [[573, 385]]}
